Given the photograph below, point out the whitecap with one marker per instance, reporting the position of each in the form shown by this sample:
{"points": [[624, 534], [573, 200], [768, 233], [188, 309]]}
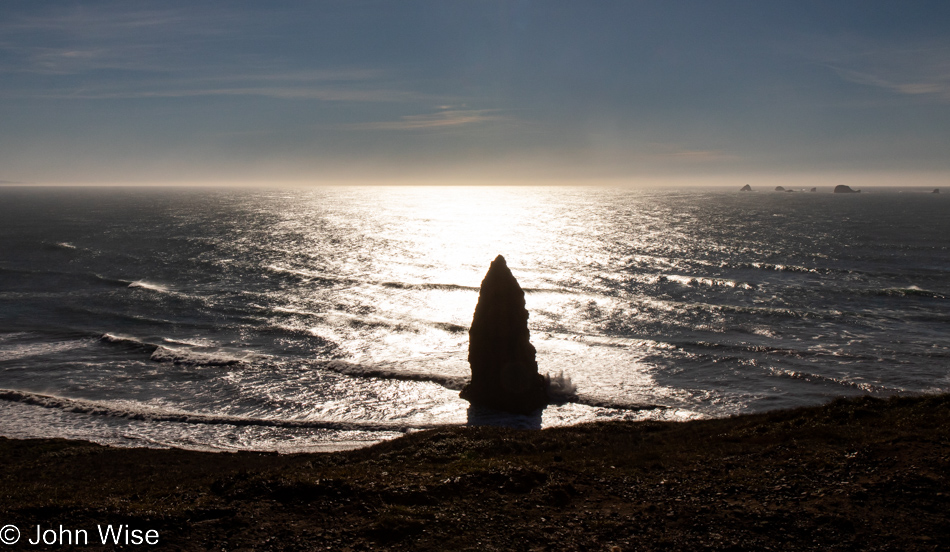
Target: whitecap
{"points": [[202, 358], [149, 286]]}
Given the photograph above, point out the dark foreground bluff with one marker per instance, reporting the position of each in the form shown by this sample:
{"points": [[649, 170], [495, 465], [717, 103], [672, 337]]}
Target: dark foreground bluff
{"points": [[504, 370]]}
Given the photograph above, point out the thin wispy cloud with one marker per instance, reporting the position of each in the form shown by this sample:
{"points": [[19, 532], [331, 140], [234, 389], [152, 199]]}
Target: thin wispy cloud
{"points": [[92, 25], [78, 60], [616, 88], [937, 86], [441, 119], [339, 84], [102, 53], [103, 20], [921, 70], [327, 95], [94, 37]]}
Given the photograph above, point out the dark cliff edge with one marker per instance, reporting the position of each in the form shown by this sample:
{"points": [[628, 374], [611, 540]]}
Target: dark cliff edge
{"points": [[858, 474]]}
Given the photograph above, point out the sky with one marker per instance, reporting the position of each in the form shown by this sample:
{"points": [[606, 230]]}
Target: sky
{"points": [[477, 92]]}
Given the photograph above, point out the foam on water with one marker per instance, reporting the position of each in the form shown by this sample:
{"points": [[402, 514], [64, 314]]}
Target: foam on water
{"points": [[149, 286]]}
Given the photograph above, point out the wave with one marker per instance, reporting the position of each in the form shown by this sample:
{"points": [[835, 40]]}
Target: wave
{"points": [[128, 341], [615, 404], [912, 291], [785, 268], [703, 281], [164, 290], [149, 286], [311, 275], [26, 350], [362, 320], [340, 318], [449, 327], [186, 354], [152, 414], [448, 287], [460, 287], [112, 281], [810, 377], [202, 358], [60, 246], [560, 387], [749, 348], [359, 370], [763, 312], [92, 277], [741, 348]]}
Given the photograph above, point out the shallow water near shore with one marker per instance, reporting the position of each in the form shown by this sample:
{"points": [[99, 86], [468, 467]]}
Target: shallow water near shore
{"points": [[325, 318]]}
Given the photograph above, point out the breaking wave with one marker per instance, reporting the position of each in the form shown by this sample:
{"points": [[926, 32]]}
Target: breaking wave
{"points": [[199, 358], [447, 287], [784, 268], [311, 276], [149, 286], [359, 370], [368, 321], [810, 377], [912, 291], [152, 414], [182, 353], [127, 341], [704, 281], [560, 387]]}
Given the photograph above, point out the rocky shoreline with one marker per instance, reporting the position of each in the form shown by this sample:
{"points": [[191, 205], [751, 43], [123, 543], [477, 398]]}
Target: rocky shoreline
{"points": [[859, 474]]}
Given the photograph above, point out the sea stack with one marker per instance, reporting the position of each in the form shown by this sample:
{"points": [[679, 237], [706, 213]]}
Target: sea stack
{"points": [[842, 189], [745, 188], [780, 189], [936, 191], [504, 370]]}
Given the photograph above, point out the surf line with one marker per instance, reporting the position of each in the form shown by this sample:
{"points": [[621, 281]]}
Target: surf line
{"points": [[147, 414]]}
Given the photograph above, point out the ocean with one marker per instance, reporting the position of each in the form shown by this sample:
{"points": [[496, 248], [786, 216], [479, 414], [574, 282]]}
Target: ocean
{"points": [[328, 318]]}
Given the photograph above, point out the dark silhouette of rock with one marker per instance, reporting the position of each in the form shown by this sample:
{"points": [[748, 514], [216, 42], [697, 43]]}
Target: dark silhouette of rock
{"points": [[779, 189], [813, 190], [504, 370], [842, 189], [745, 188], [936, 191]]}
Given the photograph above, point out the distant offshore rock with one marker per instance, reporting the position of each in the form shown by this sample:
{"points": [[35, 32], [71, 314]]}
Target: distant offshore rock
{"points": [[779, 188], [504, 370], [813, 190], [936, 191], [842, 189], [745, 188]]}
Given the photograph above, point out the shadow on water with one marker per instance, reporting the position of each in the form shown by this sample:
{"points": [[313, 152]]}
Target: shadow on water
{"points": [[482, 416]]}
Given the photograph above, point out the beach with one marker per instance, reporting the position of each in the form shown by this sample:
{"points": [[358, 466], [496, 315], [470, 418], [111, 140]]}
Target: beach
{"points": [[855, 474]]}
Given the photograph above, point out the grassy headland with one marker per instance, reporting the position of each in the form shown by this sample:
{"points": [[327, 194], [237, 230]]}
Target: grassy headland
{"points": [[862, 474]]}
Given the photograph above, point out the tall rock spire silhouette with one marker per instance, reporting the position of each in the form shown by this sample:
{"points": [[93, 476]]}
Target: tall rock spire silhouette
{"points": [[504, 370]]}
